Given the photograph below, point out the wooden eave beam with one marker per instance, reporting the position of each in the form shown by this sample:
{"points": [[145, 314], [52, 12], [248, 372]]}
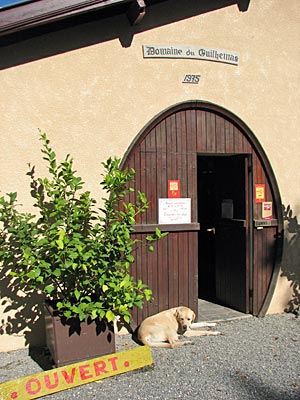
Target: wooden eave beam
{"points": [[42, 12], [136, 11], [31, 15]]}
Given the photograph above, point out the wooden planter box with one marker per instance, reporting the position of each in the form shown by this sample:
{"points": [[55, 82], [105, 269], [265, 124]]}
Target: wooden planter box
{"points": [[72, 341]]}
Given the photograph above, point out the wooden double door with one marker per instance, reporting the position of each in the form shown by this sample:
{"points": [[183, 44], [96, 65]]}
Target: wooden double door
{"points": [[226, 253]]}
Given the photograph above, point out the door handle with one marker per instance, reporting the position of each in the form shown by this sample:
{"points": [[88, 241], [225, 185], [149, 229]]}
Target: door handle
{"points": [[213, 230]]}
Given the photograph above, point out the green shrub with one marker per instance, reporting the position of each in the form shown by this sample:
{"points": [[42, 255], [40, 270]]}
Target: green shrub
{"points": [[79, 256]]}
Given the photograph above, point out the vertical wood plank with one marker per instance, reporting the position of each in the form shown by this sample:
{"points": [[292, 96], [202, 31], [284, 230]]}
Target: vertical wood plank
{"points": [[229, 137], [220, 134], [211, 132], [201, 132], [183, 268], [174, 270]]}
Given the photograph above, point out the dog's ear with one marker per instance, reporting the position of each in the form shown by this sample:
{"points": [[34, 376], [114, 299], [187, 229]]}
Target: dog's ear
{"points": [[193, 317]]}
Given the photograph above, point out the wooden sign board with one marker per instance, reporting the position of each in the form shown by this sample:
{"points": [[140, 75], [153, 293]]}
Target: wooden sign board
{"points": [[56, 380]]}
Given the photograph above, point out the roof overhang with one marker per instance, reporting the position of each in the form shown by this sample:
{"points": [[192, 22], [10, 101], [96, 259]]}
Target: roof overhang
{"points": [[42, 12], [26, 18]]}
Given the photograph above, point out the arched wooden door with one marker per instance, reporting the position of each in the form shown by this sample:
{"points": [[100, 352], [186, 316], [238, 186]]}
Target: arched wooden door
{"points": [[175, 145]]}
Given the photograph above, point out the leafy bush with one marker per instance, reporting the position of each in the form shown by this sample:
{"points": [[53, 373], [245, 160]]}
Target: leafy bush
{"points": [[75, 253]]}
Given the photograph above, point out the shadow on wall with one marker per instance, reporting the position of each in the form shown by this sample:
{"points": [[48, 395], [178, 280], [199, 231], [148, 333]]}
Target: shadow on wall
{"points": [[21, 307], [22, 314], [291, 257]]}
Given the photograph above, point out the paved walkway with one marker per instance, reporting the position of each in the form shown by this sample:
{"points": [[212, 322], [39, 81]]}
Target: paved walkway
{"points": [[210, 312]]}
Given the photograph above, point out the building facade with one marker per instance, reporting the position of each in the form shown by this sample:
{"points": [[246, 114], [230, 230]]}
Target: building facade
{"points": [[199, 94]]}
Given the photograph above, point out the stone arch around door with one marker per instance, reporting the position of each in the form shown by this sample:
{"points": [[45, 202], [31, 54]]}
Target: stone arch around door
{"points": [[170, 147]]}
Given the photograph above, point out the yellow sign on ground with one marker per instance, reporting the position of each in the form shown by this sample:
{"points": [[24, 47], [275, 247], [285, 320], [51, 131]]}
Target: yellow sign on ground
{"points": [[55, 380]]}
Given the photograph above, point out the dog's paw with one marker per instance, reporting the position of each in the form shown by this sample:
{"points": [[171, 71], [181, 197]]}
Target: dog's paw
{"points": [[215, 333], [197, 325], [187, 342]]}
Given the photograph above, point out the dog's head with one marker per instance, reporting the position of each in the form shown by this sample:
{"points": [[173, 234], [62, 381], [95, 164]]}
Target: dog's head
{"points": [[184, 316]]}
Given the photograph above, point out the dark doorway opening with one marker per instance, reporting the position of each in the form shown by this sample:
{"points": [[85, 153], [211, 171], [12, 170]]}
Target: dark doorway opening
{"points": [[225, 242]]}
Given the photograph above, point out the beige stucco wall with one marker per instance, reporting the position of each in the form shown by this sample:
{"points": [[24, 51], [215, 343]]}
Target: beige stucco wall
{"points": [[93, 100]]}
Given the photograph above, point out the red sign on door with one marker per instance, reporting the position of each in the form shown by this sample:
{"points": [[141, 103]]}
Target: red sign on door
{"points": [[260, 192], [173, 189]]}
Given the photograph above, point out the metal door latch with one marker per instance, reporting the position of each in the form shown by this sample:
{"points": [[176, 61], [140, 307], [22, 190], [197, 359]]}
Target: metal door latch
{"points": [[213, 230]]}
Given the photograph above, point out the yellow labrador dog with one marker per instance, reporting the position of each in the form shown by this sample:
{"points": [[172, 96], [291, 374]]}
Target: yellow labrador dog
{"points": [[163, 329]]}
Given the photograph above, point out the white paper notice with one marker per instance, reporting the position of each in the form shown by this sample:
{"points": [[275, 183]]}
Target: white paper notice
{"points": [[174, 211]]}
